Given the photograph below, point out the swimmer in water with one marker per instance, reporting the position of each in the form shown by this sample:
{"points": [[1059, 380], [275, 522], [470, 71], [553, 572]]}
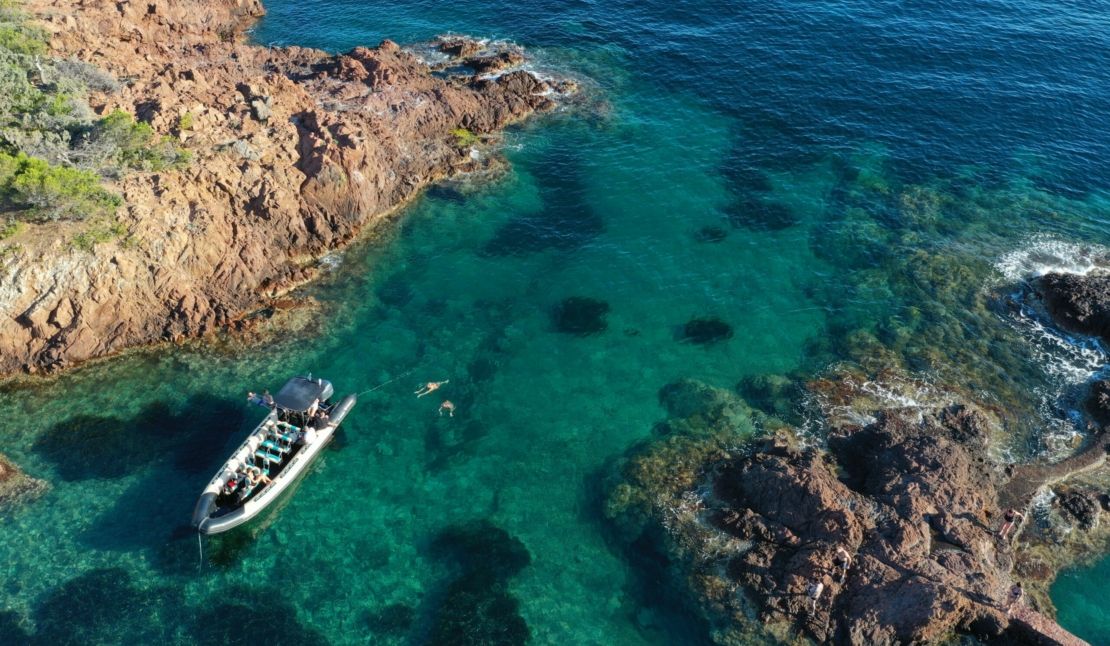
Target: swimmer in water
{"points": [[430, 387]]}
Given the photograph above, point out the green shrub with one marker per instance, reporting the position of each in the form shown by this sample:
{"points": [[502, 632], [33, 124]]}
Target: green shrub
{"points": [[53, 148], [185, 122], [9, 229], [119, 143], [22, 39], [51, 192], [464, 138], [97, 233]]}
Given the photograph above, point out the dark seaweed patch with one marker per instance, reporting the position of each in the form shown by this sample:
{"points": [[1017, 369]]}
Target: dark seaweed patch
{"points": [[103, 607], [477, 607], [395, 291], [10, 630], [481, 369], [102, 446], [393, 620], [244, 615], [95, 446], [580, 316], [760, 215], [710, 233], [479, 610], [703, 331], [482, 545], [566, 221]]}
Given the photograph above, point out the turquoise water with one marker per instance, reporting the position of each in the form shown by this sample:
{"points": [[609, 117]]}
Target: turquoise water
{"points": [[869, 198]]}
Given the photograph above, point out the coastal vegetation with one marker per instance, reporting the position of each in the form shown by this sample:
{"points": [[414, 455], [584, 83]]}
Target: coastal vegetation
{"points": [[55, 151]]}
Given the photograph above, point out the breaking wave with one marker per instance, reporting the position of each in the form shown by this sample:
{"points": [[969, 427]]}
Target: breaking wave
{"points": [[1043, 254]]}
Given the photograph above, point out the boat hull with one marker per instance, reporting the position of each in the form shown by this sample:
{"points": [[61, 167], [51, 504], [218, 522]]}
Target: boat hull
{"points": [[207, 517]]}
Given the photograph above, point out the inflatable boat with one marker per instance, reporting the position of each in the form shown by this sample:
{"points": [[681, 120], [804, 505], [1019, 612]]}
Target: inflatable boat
{"points": [[301, 422]]}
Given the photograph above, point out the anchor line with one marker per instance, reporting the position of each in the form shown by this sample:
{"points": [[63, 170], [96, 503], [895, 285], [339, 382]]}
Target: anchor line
{"points": [[386, 383]]}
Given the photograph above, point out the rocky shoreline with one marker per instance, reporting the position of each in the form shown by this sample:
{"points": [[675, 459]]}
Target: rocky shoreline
{"points": [[295, 152], [887, 506]]}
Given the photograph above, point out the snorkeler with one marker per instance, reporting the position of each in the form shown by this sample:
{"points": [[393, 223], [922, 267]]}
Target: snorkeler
{"points": [[430, 387], [447, 406]]}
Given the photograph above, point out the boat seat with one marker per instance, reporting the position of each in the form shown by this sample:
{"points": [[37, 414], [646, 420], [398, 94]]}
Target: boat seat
{"points": [[275, 447], [289, 426], [288, 439], [269, 457]]}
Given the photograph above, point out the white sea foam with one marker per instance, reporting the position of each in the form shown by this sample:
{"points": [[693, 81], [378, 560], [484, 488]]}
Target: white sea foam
{"points": [[331, 261], [1071, 358], [1044, 254]]}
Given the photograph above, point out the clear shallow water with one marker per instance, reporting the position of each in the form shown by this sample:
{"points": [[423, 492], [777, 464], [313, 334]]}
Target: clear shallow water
{"points": [[872, 166]]}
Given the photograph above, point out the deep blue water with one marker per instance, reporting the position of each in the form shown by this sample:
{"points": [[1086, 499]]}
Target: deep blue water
{"points": [[838, 181]]}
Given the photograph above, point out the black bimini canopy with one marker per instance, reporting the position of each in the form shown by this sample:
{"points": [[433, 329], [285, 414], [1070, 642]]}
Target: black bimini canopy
{"points": [[298, 393]]}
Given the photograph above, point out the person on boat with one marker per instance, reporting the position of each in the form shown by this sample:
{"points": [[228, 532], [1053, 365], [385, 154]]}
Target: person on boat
{"points": [[255, 477], [1016, 593], [311, 412], [430, 387], [448, 407], [813, 591], [308, 435], [232, 484], [1008, 520], [321, 419]]}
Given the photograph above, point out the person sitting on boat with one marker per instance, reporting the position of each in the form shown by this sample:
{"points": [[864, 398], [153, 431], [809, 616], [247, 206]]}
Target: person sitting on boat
{"points": [[321, 420], [232, 484], [308, 435], [255, 477], [313, 408]]}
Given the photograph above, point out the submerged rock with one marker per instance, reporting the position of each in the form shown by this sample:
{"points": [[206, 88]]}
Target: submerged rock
{"points": [[711, 233], [580, 315], [16, 487], [477, 606], [703, 331]]}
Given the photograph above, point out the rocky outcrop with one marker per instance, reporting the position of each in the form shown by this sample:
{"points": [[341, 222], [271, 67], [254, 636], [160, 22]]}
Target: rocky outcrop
{"points": [[295, 152], [912, 508], [1078, 302], [16, 487], [892, 513]]}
